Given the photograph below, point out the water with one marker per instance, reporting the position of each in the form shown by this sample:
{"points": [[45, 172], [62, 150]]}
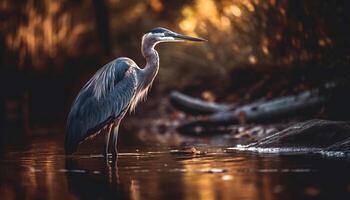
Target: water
{"points": [[39, 170]]}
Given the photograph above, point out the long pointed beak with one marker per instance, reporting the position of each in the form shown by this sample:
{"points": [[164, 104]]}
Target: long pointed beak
{"points": [[189, 38]]}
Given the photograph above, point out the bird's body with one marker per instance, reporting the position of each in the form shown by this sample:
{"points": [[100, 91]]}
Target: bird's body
{"points": [[112, 91], [95, 107]]}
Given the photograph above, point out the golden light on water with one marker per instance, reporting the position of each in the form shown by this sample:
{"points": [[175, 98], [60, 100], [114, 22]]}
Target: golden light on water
{"points": [[217, 183], [135, 190]]}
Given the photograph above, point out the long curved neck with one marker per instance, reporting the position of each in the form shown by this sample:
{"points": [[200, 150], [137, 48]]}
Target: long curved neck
{"points": [[149, 72]]}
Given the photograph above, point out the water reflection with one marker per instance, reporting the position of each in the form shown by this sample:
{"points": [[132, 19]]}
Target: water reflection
{"points": [[92, 184], [216, 186], [43, 172]]}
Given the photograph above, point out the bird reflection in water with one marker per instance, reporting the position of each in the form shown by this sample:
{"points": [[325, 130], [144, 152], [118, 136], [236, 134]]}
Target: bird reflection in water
{"points": [[93, 184]]}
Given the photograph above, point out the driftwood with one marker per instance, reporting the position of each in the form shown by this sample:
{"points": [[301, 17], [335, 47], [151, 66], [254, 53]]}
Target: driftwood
{"points": [[267, 111], [195, 106], [261, 111]]}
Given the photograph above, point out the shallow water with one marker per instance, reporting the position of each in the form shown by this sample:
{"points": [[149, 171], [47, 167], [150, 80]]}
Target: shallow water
{"points": [[39, 170]]}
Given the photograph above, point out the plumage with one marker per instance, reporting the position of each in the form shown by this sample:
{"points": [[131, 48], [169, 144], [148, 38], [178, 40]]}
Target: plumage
{"points": [[115, 88], [96, 105], [158, 30]]}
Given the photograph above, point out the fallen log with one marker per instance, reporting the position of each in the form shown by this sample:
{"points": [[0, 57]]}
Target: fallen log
{"points": [[260, 112], [268, 111], [194, 106]]}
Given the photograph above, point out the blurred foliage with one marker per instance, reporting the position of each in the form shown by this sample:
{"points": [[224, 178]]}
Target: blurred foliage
{"points": [[75, 37], [270, 34], [37, 33], [48, 34]]}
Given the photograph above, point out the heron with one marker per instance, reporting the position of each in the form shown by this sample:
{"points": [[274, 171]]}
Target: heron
{"points": [[114, 89]]}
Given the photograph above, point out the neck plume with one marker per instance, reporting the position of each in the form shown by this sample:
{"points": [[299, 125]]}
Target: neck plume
{"points": [[149, 72]]}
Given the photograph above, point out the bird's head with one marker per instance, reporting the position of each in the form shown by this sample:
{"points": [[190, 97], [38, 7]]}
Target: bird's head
{"points": [[160, 34]]}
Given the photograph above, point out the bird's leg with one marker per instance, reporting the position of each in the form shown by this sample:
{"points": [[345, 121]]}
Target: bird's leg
{"points": [[114, 141], [105, 149]]}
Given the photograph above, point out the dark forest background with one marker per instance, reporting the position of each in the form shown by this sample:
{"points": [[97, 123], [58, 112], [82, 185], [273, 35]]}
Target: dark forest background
{"points": [[256, 49]]}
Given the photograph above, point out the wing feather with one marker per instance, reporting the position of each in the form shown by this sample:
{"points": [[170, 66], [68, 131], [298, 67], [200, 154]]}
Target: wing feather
{"points": [[104, 97]]}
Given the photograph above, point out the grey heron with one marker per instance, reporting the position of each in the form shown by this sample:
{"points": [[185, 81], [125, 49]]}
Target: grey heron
{"points": [[113, 90]]}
